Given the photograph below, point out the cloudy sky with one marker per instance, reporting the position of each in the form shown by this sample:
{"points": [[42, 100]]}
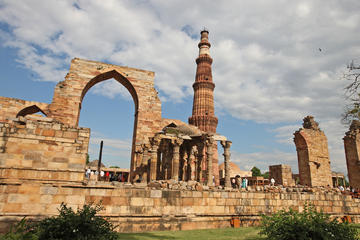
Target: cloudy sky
{"points": [[274, 63]]}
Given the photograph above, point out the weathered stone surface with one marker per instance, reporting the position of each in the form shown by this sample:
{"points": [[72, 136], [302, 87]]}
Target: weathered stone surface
{"points": [[282, 174], [313, 155], [352, 152]]}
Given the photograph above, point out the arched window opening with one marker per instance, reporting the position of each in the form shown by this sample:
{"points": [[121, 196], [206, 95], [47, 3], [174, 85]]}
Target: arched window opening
{"points": [[31, 110]]}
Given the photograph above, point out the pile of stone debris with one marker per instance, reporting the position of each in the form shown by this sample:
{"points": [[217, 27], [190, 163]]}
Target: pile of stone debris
{"points": [[196, 186]]}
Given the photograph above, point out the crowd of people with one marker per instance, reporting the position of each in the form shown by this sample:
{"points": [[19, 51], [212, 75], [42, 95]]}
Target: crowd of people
{"points": [[106, 175], [239, 182]]}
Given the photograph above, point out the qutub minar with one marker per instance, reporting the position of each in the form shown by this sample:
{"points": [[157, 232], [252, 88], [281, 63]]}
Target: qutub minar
{"points": [[203, 115]]}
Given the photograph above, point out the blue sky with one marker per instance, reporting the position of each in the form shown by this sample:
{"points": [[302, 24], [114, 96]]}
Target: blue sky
{"points": [[268, 70]]}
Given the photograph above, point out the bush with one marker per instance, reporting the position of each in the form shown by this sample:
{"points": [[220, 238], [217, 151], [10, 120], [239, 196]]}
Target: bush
{"points": [[307, 225], [80, 225], [84, 224]]}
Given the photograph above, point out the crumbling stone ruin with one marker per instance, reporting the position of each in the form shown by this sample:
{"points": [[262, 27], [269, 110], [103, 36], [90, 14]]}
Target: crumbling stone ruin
{"points": [[352, 151], [282, 175], [313, 155]]}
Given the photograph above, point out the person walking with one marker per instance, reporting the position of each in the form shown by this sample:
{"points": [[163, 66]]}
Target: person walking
{"points": [[272, 181]]}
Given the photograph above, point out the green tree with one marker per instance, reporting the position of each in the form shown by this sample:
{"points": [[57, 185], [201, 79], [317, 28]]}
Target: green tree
{"points": [[255, 172], [266, 175], [352, 93], [307, 225]]}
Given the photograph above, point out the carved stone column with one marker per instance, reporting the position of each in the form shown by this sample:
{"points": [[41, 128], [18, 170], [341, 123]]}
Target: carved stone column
{"points": [[209, 158], [226, 145], [176, 158], [136, 163], [144, 163], [184, 165], [155, 142], [200, 156], [190, 169]]}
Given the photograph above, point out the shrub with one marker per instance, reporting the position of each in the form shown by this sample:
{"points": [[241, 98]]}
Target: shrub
{"points": [[83, 224], [307, 225], [80, 225], [20, 231]]}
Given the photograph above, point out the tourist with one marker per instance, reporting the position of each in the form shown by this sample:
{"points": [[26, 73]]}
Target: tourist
{"points": [[102, 175], [233, 183], [96, 175], [244, 183], [87, 173], [238, 181], [341, 188], [272, 181], [107, 174]]}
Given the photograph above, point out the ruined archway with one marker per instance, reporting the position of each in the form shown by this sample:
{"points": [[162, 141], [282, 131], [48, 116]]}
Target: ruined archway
{"points": [[84, 74], [116, 114]]}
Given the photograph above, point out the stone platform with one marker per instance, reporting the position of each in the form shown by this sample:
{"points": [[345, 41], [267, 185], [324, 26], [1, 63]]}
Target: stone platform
{"points": [[136, 208]]}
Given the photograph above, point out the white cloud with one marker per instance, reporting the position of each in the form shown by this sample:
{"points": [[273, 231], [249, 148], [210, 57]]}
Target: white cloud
{"points": [[263, 160], [267, 64], [116, 152]]}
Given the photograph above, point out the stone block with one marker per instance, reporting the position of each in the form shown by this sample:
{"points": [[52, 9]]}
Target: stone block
{"points": [[46, 199], [137, 201], [17, 198], [155, 193]]}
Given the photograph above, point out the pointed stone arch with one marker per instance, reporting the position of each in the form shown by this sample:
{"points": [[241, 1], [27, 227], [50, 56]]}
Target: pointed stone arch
{"points": [[84, 74], [29, 110]]}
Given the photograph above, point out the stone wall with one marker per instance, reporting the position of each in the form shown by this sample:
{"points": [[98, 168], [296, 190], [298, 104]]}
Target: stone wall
{"points": [[135, 208], [10, 107], [282, 174], [313, 156], [42, 149]]}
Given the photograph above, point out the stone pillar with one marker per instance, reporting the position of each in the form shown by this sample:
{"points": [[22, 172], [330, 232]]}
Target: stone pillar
{"points": [[200, 156], [176, 159], [191, 163], [144, 164], [352, 153], [209, 155], [185, 167], [136, 164], [226, 145], [155, 142], [313, 156]]}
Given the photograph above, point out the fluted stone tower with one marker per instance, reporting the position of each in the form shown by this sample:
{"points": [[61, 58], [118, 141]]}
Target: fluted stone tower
{"points": [[203, 115]]}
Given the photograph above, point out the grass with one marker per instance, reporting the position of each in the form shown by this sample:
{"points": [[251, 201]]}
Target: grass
{"points": [[249, 233]]}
